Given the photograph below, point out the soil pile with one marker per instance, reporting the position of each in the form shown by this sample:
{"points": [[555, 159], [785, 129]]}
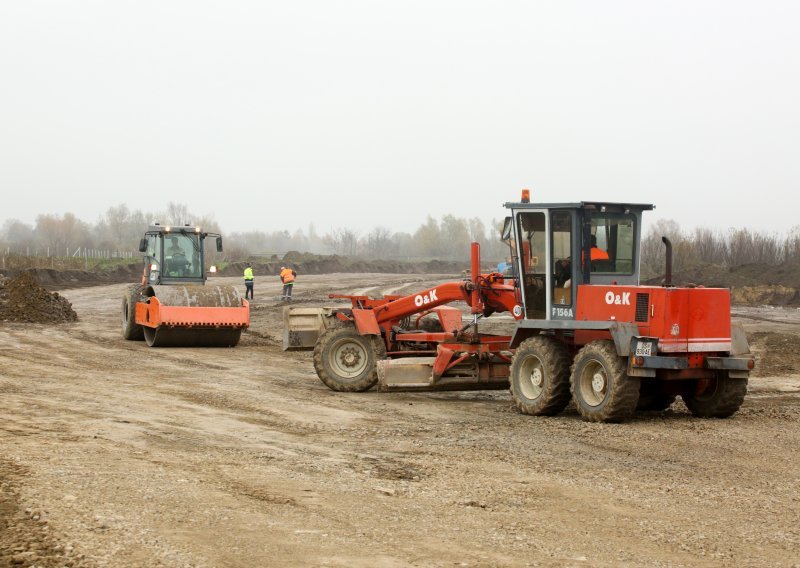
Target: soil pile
{"points": [[53, 278], [750, 284], [22, 299]]}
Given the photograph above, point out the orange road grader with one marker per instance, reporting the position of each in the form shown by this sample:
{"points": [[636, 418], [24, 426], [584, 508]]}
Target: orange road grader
{"points": [[584, 328], [173, 306]]}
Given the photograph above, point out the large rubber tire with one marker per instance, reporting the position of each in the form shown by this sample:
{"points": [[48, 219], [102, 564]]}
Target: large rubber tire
{"points": [[601, 387], [650, 398], [721, 400], [130, 329], [346, 361], [540, 376]]}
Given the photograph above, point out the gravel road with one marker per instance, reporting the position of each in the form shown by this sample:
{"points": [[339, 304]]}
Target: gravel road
{"points": [[113, 454]]}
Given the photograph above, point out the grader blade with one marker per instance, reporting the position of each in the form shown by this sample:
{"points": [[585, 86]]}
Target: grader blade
{"points": [[408, 373], [417, 374], [303, 326]]}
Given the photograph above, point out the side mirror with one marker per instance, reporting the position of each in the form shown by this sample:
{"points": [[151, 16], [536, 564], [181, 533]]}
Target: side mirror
{"points": [[506, 234], [143, 245], [219, 244]]}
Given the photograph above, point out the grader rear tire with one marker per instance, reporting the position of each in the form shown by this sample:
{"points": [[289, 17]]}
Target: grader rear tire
{"points": [[601, 387], [720, 400], [650, 398], [130, 329], [347, 361], [540, 377]]}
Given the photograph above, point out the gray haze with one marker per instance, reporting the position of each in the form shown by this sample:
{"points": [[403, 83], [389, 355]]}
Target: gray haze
{"points": [[274, 115]]}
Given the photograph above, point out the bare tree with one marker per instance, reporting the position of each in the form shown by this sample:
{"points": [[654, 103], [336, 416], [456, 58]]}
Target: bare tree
{"points": [[58, 233], [378, 242], [455, 237], [177, 213], [428, 239], [343, 241], [17, 233], [653, 251]]}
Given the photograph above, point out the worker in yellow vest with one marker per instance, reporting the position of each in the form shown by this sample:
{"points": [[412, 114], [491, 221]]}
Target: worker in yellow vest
{"points": [[248, 281], [287, 277]]}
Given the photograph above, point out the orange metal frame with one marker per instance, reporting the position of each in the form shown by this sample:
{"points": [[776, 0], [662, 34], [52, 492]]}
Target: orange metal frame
{"points": [[154, 314], [484, 293]]}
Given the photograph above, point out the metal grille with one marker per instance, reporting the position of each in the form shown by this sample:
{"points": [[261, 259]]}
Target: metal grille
{"points": [[642, 305]]}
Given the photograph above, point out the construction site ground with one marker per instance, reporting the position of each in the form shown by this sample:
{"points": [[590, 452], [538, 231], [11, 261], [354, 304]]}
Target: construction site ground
{"points": [[113, 454]]}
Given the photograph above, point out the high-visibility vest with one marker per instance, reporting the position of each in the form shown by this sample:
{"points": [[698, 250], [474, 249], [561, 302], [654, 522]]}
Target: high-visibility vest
{"points": [[598, 254], [287, 276], [248, 273]]}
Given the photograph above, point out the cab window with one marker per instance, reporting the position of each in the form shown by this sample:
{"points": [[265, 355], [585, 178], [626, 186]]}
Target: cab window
{"points": [[613, 239]]}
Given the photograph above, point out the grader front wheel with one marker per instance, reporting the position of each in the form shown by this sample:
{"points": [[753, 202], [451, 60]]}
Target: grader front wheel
{"points": [[601, 388], [347, 361]]}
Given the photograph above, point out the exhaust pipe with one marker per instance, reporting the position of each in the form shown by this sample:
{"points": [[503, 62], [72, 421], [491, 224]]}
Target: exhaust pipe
{"points": [[668, 275]]}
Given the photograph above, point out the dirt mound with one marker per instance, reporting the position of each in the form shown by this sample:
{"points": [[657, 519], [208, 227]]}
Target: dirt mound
{"points": [[22, 299], [56, 279], [750, 284], [765, 295]]}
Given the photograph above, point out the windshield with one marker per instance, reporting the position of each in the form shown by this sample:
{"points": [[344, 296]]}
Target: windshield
{"points": [[182, 256]]}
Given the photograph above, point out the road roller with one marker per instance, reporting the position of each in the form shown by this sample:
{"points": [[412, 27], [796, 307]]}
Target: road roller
{"points": [[173, 306]]}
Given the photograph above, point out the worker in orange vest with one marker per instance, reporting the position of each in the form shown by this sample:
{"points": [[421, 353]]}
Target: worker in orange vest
{"points": [[287, 277]]}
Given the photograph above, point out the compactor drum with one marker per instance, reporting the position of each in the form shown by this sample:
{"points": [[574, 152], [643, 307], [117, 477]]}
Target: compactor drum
{"points": [[172, 307]]}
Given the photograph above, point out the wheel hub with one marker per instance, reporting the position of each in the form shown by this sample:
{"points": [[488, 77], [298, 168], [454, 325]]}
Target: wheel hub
{"points": [[598, 382], [536, 377], [350, 357]]}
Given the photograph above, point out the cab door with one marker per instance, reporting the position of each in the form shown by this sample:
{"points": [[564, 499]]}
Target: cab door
{"points": [[153, 259], [533, 244]]}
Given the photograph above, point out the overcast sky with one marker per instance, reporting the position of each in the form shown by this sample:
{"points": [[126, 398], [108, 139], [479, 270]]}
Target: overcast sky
{"points": [[274, 115]]}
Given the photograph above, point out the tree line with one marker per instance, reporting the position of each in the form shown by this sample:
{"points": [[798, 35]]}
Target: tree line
{"points": [[120, 228], [704, 246], [447, 238]]}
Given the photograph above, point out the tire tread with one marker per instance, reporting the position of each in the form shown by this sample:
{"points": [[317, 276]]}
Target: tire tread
{"points": [[623, 397], [555, 357]]}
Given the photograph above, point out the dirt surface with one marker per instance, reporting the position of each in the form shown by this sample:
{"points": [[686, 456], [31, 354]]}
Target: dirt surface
{"points": [[113, 454]]}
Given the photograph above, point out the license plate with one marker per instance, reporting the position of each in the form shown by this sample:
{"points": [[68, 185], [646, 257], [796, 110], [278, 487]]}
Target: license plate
{"points": [[644, 349]]}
